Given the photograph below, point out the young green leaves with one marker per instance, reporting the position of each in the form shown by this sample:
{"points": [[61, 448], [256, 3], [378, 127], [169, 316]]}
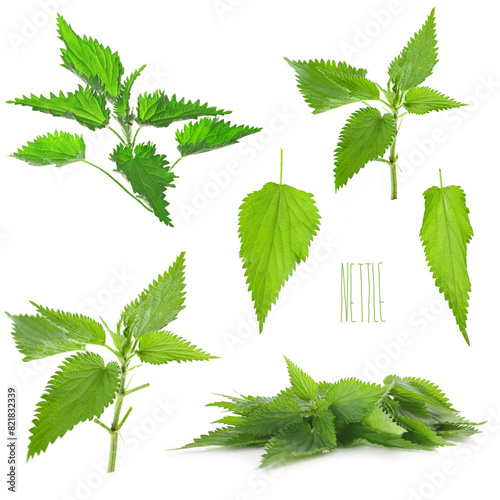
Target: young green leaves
{"points": [[276, 227], [310, 418], [369, 134], [84, 385], [106, 98], [445, 233]]}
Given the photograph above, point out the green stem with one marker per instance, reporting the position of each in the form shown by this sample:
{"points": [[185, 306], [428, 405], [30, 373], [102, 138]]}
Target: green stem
{"points": [[393, 159], [115, 425], [440, 179], [116, 133], [394, 182], [281, 167], [119, 183], [143, 386], [135, 136], [175, 162]]}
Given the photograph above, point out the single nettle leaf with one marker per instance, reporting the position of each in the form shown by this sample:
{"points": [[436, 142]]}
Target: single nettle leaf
{"points": [[122, 103], [76, 327], [159, 348], [454, 430], [209, 134], [417, 60], [303, 385], [276, 227], [359, 434], [352, 400], [365, 137], [87, 58], [421, 100], [445, 232], [159, 110], [323, 424], [244, 405], [327, 85], [148, 173], [159, 304], [271, 417], [37, 338], [227, 436], [298, 440], [86, 106], [60, 148], [80, 390], [417, 432], [380, 421]]}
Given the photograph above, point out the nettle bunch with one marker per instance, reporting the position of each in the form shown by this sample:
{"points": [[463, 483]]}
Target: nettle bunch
{"points": [[105, 98], [310, 418], [369, 134], [83, 386]]}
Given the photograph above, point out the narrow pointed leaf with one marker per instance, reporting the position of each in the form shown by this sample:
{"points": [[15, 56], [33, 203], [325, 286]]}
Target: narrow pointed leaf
{"points": [[159, 348], [122, 103], [445, 233], [302, 384], [209, 134], [421, 100], [159, 110], [59, 149], [417, 60], [365, 137], [276, 227], [80, 390], [85, 106], [95, 64]]}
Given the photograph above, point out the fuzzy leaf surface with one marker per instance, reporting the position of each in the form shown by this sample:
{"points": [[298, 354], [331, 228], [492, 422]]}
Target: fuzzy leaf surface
{"points": [[417, 60], [445, 233], [95, 64], [86, 106], [365, 137], [209, 134], [37, 338], [159, 304], [327, 85], [421, 100], [59, 149], [276, 227], [80, 390], [148, 173], [159, 348]]}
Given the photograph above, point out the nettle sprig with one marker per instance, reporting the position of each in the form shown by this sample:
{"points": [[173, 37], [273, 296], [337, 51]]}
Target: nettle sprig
{"points": [[310, 418], [369, 134], [84, 385], [106, 99]]}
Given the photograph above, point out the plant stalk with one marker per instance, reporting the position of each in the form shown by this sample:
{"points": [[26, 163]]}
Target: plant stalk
{"points": [[392, 160]]}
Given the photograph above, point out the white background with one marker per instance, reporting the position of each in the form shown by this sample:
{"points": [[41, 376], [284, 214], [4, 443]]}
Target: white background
{"points": [[67, 233]]}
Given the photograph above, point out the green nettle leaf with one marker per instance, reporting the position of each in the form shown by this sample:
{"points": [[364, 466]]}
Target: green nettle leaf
{"points": [[365, 137], [148, 173], [296, 441], [76, 327], [417, 60], [122, 103], [38, 338], [209, 134], [351, 400], [343, 414], [327, 85], [85, 106], [445, 233], [81, 390], [60, 148], [303, 385], [159, 304], [421, 100], [159, 110], [276, 227], [159, 348], [87, 58]]}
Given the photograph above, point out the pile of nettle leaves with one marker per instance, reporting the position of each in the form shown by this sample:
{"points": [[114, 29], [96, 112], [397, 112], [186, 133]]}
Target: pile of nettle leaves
{"points": [[311, 418]]}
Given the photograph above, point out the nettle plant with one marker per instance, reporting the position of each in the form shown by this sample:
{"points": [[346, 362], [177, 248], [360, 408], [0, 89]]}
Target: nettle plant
{"points": [[104, 99], [369, 134], [310, 418], [84, 385]]}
